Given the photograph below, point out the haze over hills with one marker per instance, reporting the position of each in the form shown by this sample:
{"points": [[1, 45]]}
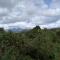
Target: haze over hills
{"points": [[16, 30]]}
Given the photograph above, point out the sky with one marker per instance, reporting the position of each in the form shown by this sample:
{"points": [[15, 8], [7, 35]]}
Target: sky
{"points": [[26, 14]]}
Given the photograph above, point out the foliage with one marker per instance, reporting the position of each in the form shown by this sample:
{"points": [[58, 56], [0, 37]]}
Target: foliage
{"points": [[35, 44]]}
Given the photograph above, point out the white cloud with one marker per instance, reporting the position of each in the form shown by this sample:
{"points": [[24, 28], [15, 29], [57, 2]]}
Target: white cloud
{"points": [[3, 10], [28, 13]]}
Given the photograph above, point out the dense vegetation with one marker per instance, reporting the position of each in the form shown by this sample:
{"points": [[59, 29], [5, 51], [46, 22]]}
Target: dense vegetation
{"points": [[36, 44]]}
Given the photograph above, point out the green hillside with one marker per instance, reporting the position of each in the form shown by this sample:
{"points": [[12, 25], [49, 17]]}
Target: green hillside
{"points": [[36, 44]]}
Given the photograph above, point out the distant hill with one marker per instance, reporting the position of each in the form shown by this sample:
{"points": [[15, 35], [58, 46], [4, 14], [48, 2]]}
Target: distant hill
{"points": [[17, 29]]}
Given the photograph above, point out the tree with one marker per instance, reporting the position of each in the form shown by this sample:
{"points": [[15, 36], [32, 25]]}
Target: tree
{"points": [[1, 29], [37, 27]]}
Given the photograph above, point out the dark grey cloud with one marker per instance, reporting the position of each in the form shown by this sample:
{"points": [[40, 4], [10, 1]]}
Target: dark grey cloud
{"points": [[8, 3]]}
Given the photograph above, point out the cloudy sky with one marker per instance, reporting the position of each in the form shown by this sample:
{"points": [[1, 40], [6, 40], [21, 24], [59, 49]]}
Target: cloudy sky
{"points": [[28, 13]]}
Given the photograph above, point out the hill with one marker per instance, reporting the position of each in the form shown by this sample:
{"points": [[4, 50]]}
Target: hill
{"points": [[35, 44]]}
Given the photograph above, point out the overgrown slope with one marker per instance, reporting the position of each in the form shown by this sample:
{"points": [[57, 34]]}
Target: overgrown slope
{"points": [[36, 44]]}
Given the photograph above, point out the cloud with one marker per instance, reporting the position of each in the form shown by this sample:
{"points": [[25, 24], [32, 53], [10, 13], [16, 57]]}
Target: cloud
{"points": [[29, 13], [22, 25], [8, 3]]}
